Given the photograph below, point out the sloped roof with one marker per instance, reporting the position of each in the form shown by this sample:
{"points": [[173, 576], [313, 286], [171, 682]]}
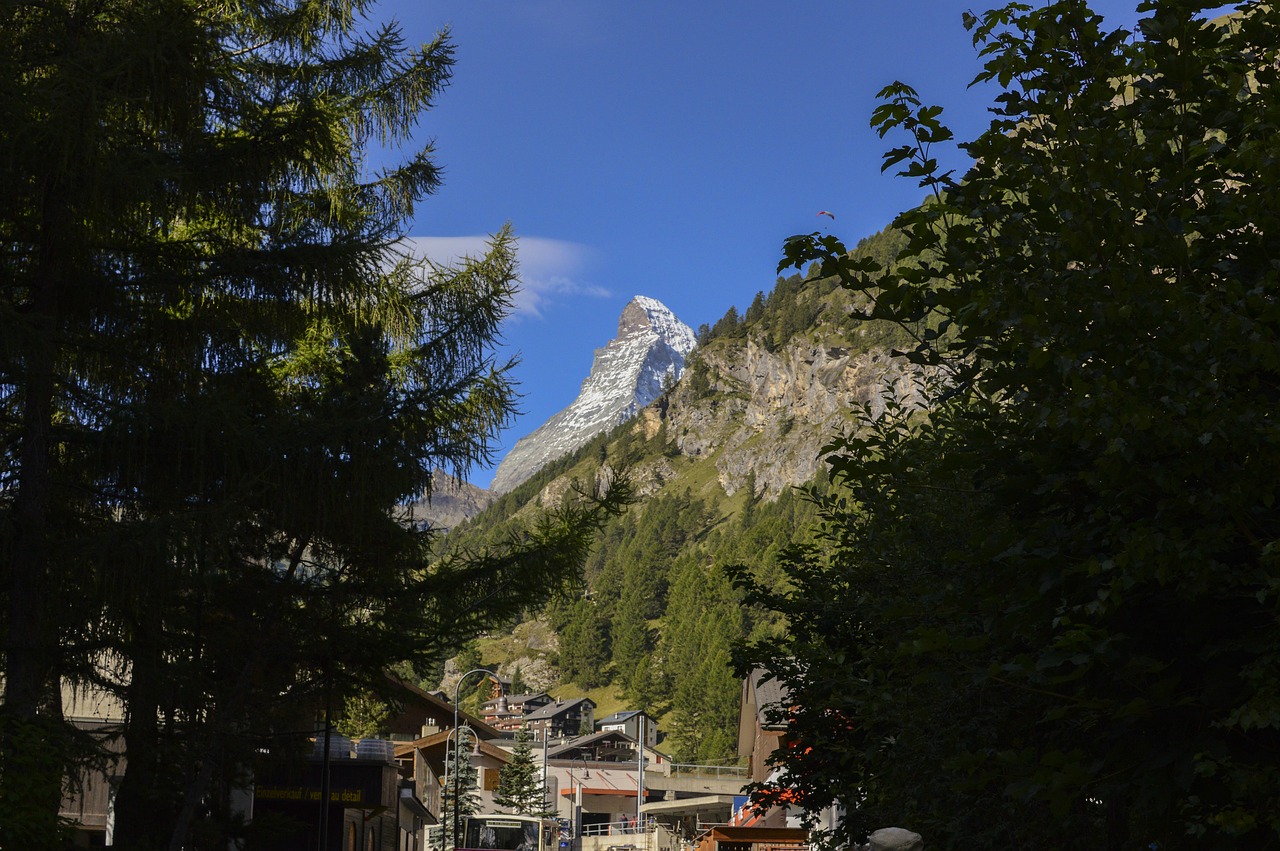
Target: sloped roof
{"points": [[771, 696], [443, 738], [756, 837], [624, 715], [551, 710], [514, 700], [445, 706], [587, 741], [521, 698]]}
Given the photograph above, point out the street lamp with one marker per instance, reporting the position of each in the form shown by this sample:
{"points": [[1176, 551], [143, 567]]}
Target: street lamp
{"points": [[575, 802], [501, 707], [455, 736]]}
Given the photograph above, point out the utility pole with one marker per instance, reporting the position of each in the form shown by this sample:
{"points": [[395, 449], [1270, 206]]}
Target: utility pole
{"points": [[545, 803], [323, 839], [640, 774]]}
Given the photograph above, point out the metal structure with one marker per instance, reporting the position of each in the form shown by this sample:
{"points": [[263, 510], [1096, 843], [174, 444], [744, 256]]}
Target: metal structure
{"points": [[640, 760]]}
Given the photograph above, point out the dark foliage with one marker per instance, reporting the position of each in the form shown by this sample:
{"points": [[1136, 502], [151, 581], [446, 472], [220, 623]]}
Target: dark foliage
{"points": [[1057, 581]]}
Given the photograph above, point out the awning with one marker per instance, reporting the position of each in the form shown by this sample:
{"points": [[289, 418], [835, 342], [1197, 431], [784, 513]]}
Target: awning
{"points": [[689, 806], [411, 803]]}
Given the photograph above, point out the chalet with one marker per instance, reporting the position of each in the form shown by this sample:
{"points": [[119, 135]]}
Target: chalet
{"points": [[517, 707], [562, 718], [630, 722], [762, 728], [424, 760], [594, 781], [88, 803], [754, 839], [418, 713], [370, 808], [605, 746], [761, 722], [368, 803]]}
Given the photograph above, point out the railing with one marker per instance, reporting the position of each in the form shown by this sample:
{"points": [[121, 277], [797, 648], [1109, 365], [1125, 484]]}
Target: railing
{"points": [[620, 828], [688, 770], [648, 835]]}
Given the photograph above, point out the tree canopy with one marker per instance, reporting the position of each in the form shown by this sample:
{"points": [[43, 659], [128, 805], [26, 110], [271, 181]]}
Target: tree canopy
{"points": [[1044, 610], [222, 378]]}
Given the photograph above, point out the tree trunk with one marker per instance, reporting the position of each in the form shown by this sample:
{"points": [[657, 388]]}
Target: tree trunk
{"points": [[33, 765], [145, 801]]}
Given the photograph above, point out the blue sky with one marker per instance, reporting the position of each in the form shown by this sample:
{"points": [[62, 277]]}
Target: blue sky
{"points": [[667, 149]]}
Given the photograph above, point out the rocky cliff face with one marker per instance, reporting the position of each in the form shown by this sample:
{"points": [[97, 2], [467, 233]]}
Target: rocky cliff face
{"points": [[785, 406], [626, 375], [766, 415]]}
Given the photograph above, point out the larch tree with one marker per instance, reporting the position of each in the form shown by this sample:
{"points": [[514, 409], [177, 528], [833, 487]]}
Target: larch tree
{"points": [[221, 376]]}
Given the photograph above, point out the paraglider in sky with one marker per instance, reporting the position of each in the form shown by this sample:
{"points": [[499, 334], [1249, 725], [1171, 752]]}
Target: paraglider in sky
{"points": [[832, 216]]}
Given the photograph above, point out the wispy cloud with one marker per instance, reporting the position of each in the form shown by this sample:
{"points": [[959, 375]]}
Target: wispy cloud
{"points": [[551, 270]]}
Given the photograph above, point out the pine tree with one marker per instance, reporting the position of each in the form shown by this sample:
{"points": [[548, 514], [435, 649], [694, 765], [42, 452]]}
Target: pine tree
{"points": [[704, 620], [585, 646], [518, 685], [520, 787], [461, 775]]}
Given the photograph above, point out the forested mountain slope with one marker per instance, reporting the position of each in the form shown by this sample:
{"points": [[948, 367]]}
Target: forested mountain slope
{"points": [[716, 462]]}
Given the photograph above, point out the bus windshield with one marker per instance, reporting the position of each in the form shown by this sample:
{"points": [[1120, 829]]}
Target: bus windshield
{"points": [[502, 834]]}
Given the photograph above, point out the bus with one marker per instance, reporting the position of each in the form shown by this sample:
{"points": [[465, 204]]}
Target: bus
{"points": [[509, 833]]}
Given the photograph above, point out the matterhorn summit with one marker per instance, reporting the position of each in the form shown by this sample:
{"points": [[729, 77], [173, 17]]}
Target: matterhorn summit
{"points": [[626, 376]]}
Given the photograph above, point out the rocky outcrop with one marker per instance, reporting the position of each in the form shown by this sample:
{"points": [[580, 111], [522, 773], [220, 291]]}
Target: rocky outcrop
{"points": [[767, 414], [626, 375]]}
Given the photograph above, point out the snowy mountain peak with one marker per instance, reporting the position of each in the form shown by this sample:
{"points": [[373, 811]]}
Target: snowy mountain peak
{"points": [[643, 311], [627, 375]]}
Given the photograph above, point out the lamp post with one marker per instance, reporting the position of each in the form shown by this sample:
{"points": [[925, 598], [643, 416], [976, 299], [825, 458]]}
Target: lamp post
{"points": [[575, 803], [502, 707], [454, 736], [545, 803]]}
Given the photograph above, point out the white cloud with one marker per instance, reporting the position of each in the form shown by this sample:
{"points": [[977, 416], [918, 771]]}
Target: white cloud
{"points": [[550, 269]]}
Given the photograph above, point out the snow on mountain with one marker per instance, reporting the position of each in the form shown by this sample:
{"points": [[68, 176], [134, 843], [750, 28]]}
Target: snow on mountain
{"points": [[626, 375]]}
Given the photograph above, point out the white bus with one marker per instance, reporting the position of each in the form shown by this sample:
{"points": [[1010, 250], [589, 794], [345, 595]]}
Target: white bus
{"points": [[509, 833]]}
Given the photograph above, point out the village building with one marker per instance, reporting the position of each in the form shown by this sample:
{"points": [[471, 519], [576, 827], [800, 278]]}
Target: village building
{"points": [[562, 718], [631, 722]]}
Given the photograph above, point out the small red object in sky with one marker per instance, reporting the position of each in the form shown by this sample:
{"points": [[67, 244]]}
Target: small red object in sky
{"points": [[825, 213]]}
